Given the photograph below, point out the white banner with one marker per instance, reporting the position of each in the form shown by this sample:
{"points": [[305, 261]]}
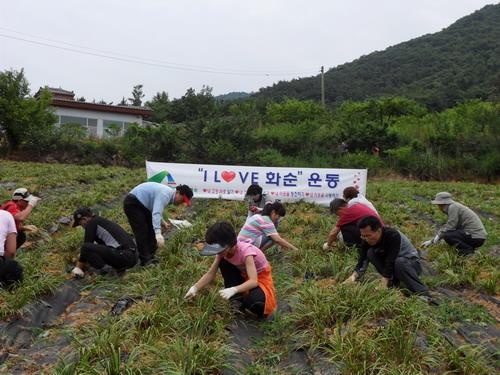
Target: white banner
{"points": [[318, 185]]}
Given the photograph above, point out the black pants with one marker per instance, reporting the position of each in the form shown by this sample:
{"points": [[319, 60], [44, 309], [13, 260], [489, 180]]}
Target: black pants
{"points": [[100, 255], [464, 243], [141, 222], [20, 239], [10, 271], [406, 270], [254, 300]]}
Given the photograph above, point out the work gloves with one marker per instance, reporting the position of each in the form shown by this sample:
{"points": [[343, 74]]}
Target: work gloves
{"points": [[33, 201], [77, 272], [160, 240], [191, 292], [325, 246], [228, 292], [430, 242], [224, 293]]}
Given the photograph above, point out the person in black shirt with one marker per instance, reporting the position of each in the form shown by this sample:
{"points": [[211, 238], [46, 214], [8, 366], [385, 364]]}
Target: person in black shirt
{"points": [[392, 254], [106, 244]]}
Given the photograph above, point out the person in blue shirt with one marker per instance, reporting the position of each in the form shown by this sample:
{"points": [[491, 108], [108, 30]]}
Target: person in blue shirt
{"points": [[144, 207]]}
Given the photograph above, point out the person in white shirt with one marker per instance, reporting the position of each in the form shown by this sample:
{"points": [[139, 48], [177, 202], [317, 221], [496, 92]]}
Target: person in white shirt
{"points": [[352, 196], [10, 270]]}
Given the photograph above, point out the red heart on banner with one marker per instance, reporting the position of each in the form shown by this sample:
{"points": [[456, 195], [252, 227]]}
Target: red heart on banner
{"points": [[228, 176], [204, 190], [307, 194], [237, 191], [272, 192]]}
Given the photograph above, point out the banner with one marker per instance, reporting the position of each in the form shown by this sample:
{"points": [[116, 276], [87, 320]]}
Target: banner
{"points": [[318, 185]]}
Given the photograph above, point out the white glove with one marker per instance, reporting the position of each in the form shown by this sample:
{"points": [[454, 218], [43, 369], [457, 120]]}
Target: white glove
{"points": [[191, 292], [430, 242], [33, 201], [228, 292], [325, 246], [160, 239], [30, 228], [426, 243], [351, 279], [77, 272]]}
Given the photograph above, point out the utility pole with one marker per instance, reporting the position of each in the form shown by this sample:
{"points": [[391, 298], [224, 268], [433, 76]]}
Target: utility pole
{"points": [[322, 85]]}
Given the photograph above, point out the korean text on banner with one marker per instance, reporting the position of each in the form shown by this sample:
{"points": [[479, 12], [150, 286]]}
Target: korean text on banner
{"points": [[318, 185]]}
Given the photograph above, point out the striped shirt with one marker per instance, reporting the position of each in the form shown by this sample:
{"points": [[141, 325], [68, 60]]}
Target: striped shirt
{"points": [[256, 227]]}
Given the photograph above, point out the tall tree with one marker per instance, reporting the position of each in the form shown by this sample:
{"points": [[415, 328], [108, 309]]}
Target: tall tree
{"points": [[23, 119], [160, 104], [137, 95]]}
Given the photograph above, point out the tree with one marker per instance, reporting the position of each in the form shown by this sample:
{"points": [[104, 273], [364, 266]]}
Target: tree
{"points": [[23, 119], [160, 104], [137, 95], [193, 106]]}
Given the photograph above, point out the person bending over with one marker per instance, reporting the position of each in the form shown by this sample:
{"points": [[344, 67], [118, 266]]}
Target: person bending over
{"points": [[144, 207], [106, 244], [463, 230], [260, 229], [392, 254], [244, 268]]}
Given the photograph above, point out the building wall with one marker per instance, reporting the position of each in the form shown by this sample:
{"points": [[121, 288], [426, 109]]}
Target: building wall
{"points": [[95, 122]]}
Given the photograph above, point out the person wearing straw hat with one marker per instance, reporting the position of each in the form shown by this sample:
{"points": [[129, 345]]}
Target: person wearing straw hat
{"points": [[463, 230], [244, 268]]}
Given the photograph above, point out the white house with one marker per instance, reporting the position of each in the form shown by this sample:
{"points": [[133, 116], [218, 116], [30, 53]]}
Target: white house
{"points": [[93, 117]]}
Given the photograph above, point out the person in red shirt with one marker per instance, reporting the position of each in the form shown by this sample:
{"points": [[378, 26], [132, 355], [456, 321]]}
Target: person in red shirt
{"points": [[20, 207], [347, 223]]}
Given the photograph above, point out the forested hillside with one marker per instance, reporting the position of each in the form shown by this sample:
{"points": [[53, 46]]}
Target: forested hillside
{"points": [[438, 70]]}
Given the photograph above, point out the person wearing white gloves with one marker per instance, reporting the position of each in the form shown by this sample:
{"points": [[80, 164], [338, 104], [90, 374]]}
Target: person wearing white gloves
{"points": [[244, 268], [463, 230], [20, 207], [144, 207], [106, 245]]}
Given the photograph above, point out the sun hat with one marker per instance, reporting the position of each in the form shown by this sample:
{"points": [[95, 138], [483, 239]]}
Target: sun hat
{"points": [[212, 249], [443, 198], [21, 193]]}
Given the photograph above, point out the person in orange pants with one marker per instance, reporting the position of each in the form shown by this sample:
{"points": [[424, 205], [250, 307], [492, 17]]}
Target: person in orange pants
{"points": [[244, 267]]}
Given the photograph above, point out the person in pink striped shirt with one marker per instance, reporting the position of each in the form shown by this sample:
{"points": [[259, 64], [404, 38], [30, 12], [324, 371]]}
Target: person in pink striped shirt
{"points": [[260, 229]]}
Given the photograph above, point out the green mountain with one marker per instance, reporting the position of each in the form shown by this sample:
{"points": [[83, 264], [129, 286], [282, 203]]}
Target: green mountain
{"points": [[232, 96], [439, 70]]}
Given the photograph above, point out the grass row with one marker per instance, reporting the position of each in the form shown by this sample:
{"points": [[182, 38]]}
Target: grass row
{"points": [[358, 329]]}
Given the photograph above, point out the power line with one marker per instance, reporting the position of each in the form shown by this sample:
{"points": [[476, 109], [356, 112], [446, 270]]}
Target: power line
{"points": [[143, 61]]}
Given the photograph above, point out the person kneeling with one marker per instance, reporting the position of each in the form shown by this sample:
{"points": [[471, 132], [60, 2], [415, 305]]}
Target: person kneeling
{"points": [[10, 270], [244, 267], [106, 245], [392, 254]]}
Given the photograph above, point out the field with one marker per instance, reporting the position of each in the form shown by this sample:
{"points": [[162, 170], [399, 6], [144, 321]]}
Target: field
{"points": [[52, 324]]}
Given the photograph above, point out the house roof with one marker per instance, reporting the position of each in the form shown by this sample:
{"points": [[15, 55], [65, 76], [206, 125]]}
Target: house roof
{"points": [[130, 110]]}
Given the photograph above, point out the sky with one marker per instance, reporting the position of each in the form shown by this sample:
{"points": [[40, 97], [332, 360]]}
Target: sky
{"points": [[100, 49]]}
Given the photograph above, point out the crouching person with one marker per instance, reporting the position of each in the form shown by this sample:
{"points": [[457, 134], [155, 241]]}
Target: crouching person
{"points": [[10, 270], [392, 254], [106, 245], [244, 267]]}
